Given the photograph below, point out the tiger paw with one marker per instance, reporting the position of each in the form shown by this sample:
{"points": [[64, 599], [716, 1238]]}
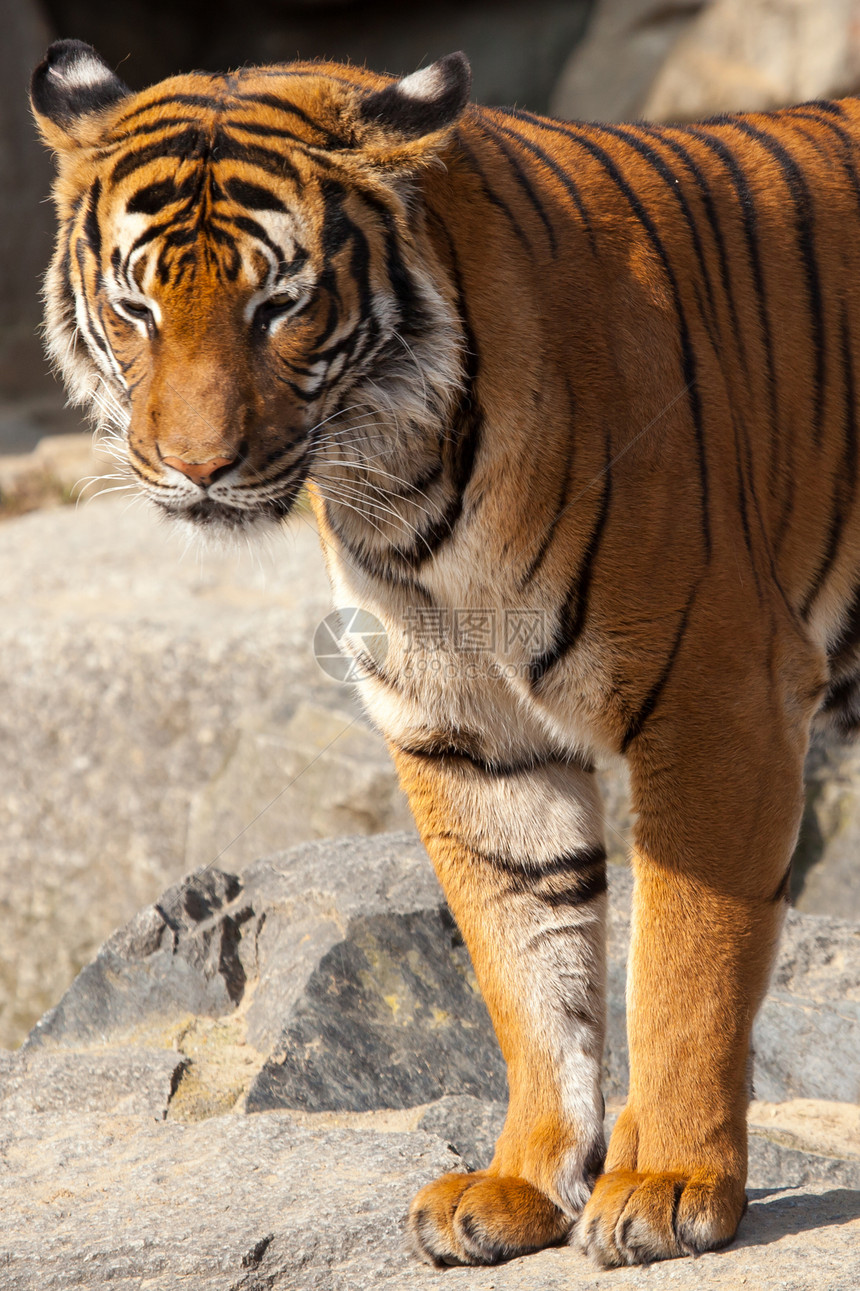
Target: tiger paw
{"points": [[634, 1218], [483, 1219]]}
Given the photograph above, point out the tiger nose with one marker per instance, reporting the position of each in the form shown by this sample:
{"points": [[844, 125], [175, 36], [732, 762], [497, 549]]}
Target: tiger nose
{"points": [[202, 473]]}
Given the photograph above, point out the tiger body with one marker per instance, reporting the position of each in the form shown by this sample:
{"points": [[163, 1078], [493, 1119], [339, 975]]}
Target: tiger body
{"points": [[576, 409]]}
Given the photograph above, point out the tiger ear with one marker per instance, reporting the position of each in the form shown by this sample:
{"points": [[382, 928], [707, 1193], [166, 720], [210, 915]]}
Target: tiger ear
{"points": [[69, 91], [413, 116]]}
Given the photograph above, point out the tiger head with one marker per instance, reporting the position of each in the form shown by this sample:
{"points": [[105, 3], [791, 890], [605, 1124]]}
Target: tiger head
{"points": [[241, 284]]}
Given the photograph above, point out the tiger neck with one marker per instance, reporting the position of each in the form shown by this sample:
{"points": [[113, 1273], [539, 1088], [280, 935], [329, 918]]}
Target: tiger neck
{"points": [[477, 456]]}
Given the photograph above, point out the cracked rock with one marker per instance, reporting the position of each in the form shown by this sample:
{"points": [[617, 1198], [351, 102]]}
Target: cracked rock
{"points": [[326, 990]]}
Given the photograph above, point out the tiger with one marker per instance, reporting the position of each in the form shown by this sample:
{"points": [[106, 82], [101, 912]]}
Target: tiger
{"points": [[575, 406]]}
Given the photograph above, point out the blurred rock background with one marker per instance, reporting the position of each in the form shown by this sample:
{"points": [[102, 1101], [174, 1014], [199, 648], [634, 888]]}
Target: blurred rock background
{"points": [[158, 712]]}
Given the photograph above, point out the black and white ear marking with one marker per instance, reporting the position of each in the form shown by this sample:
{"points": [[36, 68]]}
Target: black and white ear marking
{"points": [[71, 81], [423, 102]]}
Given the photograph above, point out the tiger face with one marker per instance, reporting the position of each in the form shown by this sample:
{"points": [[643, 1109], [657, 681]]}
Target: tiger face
{"points": [[236, 282]]}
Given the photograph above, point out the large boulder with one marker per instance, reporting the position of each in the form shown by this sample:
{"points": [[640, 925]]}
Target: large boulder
{"points": [[682, 61], [135, 674], [341, 969], [250, 1081]]}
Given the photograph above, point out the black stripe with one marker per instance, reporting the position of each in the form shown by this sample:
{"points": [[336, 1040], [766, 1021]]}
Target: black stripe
{"points": [[92, 228], [783, 891], [368, 664], [254, 196], [459, 458], [571, 616], [804, 227], [849, 147], [186, 100], [91, 332], [672, 183], [649, 704], [337, 226], [579, 861], [112, 146], [320, 156], [690, 367], [265, 481], [281, 105], [492, 767], [742, 450], [823, 105], [747, 211], [226, 147], [413, 314], [187, 144], [579, 893], [255, 230], [489, 193], [685, 157], [845, 483], [67, 291], [842, 707], [551, 164], [375, 566], [742, 458], [523, 181], [152, 198], [561, 502]]}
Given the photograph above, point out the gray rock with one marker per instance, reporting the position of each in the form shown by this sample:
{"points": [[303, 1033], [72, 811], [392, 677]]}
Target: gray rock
{"points": [[685, 61], [807, 1033], [824, 872], [129, 1081], [774, 1165], [807, 1048], [753, 55], [330, 969], [470, 1125], [349, 979], [261, 1202], [609, 75], [340, 776], [234, 1202], [182, 955], [360, 1004], [129, 678], [391, 1017]]}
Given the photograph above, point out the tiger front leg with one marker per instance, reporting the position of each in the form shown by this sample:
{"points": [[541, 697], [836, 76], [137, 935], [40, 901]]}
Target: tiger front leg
{"points": [[520, 855], [719, 809]]}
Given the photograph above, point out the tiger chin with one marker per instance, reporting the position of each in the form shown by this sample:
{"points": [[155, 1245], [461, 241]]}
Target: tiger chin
{"points": [[595, 385]]}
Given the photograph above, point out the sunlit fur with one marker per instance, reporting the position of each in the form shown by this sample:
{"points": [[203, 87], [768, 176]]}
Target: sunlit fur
{"points": [[596, 384]]}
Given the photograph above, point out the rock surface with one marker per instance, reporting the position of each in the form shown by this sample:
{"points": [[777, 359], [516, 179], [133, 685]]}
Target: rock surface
{"points": [[61, 467], [261, 1202], [137, 1153], [342, 970], [682, 61], [129, 676]]}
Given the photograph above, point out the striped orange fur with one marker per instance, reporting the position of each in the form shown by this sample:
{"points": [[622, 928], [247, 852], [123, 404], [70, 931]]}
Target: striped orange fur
{"points": [[591, 388]]}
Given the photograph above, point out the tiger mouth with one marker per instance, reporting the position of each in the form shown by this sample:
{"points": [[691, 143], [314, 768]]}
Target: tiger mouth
{"points": [[210, 513]]}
